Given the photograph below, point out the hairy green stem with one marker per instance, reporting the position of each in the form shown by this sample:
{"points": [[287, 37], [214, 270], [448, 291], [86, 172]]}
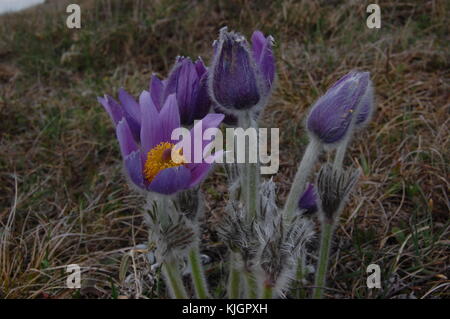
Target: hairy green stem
{"points": [[267, 292], [299, 276], [174, 280], [251, 285], [198, 276], [303, 171], [340, 154], [324, 253], [234, 279], [251, 171]]}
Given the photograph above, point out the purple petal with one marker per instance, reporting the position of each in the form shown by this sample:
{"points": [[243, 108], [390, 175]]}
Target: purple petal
{"points": [[112, 107], [202, 101], [365, 108], [129, 104], [171, 180], [200, 67], [133, 166], [187, 85], [201, 170], [211, 120], [267, 64], [171, 84], [169, 119], [157, 91], [258, 43], [150, 133], [125, 137], [308, 200], [199, 173], [132, 112], [263, 55]]}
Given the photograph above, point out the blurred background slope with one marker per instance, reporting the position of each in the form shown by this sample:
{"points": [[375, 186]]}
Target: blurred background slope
{"points": [[63, 199]]}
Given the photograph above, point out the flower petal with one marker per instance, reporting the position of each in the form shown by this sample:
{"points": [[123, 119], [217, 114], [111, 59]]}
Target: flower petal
{"points": [[308, 200], [112, 107], [171, 180], [129, 104], [267, 63], [200, 67], [258, 43], [133, 166], [156, 91], [187, 84], [125, 137], [202, 100], [150, 133], [131, 111], [199, 173], [169, 119], [201, 170], [211, 120]]}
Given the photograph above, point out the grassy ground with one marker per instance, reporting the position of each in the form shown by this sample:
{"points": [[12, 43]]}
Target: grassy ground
{"points": [[63, 198]]}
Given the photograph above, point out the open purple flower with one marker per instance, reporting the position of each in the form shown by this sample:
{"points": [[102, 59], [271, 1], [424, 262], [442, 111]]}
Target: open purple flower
{"points": [[308, 200], [331, 116], [241, 79], [148, 159]]}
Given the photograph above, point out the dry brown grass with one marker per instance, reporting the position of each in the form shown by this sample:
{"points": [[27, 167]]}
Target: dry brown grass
{"points": [[63, 199]]}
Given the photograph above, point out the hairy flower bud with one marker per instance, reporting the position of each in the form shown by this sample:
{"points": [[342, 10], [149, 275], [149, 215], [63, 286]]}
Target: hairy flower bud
{"points": [[331, 116], [334, 186], [241, 79]]}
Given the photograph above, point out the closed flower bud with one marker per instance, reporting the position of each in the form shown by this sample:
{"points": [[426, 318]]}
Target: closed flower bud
{"points": [[331, 116], [333, 187], [241, 78]]}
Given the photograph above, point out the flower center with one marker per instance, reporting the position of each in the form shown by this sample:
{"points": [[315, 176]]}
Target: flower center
{"points": [[160, 157]]}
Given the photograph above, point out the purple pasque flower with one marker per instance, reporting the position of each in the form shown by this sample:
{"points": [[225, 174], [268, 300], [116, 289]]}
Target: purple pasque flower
{"points": [[240, 79], [331, 116], [308, 201], [189, 82], [148, 160]]}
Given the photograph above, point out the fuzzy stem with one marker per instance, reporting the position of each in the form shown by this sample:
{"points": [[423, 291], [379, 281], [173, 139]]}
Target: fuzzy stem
{"points": [[174, 280], [267, 292], [251, 285], [303, 171], [251, 176], [253, 189], [234, 277], [300, 275], [324, 253], [340, 154], [198, 276]]}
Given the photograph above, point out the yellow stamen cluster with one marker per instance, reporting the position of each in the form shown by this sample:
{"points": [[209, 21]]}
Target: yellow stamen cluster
{"points": [[160, 157]]}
